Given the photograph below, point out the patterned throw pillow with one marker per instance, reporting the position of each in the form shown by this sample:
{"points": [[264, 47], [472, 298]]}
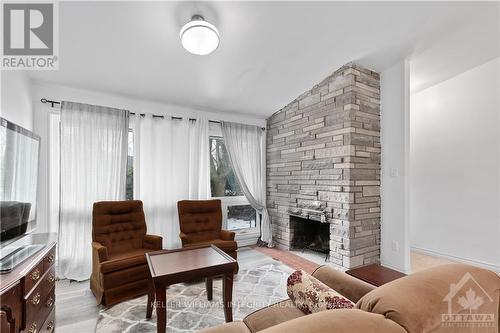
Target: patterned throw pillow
{"points": [[311, 295]]}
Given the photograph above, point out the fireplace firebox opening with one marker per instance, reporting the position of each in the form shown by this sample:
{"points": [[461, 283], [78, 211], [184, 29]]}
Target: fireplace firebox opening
{"points": [[310, 235]]}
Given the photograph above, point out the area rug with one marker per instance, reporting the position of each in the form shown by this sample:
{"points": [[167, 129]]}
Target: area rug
{"points": [[188, 309]]}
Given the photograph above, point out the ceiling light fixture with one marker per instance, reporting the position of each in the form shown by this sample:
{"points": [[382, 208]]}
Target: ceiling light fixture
{"points": [[199, 37]]}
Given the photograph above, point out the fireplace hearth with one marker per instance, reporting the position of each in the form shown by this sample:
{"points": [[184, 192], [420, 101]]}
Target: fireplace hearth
{"points": [[310, 235]]}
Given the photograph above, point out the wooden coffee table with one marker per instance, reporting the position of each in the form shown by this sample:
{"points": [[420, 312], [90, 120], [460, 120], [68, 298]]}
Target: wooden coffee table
{"points": [[375, 274], [185, 265]]}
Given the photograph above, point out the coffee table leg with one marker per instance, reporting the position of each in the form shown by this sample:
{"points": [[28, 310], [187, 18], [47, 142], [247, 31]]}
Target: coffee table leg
{"points": [[161, 310], [227, 295], [151, 300], [209, 284]]}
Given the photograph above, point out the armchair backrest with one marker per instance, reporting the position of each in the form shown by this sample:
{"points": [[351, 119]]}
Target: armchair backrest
{"points": [[201, 220], [119, 225]]}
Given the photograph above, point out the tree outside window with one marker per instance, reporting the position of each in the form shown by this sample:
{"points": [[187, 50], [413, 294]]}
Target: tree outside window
{"points": [[223, 182], [224, 185]]}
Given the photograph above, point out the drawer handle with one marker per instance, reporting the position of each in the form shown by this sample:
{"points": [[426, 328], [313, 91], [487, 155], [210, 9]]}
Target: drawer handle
{"points": [[36, 300], [35, 275], [32, 328], [50, 326], [50, 302], [50, 259], [52, 278]]}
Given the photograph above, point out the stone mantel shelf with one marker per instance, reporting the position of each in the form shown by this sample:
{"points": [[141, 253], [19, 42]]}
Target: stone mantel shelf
{"points": [[311, 214]]}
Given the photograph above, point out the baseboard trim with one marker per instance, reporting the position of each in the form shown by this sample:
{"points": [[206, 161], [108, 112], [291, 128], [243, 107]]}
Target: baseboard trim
{"points": [[477, 263], [393, 267]]}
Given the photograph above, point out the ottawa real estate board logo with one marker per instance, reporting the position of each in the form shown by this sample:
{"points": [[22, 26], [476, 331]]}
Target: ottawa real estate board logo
{"points": [[469, 306], [30, 36]]}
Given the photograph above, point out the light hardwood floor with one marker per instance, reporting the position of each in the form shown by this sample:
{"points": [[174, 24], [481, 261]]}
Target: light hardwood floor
{"points": [[420, 261], [76, 309]]}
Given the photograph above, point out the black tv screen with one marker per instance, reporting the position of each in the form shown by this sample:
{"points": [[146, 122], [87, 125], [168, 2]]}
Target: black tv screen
{"points": [[19, 151]]}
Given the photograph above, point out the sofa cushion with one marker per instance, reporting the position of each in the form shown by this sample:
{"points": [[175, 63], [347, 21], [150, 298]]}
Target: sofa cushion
{"points": [[311, 295], [124, 260], [420, 301], [234, 327], [338, 321], [272, 315], [226, 246]]}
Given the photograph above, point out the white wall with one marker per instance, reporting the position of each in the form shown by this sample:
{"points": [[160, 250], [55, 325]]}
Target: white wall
{"points": [[16, 99], [58, 93], [394, 98], [455, 155]]}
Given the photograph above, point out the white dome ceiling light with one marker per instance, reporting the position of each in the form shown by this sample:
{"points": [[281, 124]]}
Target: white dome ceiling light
{"points": [[199, 37]]}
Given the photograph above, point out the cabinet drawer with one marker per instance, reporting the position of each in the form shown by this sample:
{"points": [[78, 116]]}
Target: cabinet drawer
{"points": [[36, 314], [33, 277], [49, 259], [12, 308], [50, 323], [35, 299]]}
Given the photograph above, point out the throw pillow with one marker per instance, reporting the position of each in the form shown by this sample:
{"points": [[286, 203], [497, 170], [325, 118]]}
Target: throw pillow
{"points": [[311, 295]]}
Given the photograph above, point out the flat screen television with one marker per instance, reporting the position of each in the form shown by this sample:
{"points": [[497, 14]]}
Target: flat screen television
{"points": [[19, 153]]}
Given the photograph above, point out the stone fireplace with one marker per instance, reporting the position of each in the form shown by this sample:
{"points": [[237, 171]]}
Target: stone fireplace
{"points": [[323, 167]]}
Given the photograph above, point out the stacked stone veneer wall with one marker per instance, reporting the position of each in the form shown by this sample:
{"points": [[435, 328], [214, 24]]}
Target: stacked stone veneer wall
{"points": [[325, 146]]}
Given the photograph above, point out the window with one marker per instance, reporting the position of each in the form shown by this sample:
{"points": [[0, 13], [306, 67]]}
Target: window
{"points": [[241, 217], [129, 191], [223, 182], [238, 213]]}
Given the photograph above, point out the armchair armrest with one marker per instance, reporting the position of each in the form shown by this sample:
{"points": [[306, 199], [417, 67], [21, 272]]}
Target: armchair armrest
{"points": [[184, 238], [99, 252], [349, 286], [227, 235], [152, 242]]}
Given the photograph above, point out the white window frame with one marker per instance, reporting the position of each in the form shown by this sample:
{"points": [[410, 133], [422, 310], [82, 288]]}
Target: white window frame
{"points": [[246, 236]]}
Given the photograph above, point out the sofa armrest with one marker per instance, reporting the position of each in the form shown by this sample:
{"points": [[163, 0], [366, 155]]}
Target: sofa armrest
{"points": [[184, 238], [338, 321], [348, 286], [233, 327], [227, 235], [99, 252], [271, 315], [152, 242]]}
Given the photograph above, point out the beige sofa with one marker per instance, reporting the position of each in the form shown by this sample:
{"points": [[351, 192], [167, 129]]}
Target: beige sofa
{"points": [[427, 301]]}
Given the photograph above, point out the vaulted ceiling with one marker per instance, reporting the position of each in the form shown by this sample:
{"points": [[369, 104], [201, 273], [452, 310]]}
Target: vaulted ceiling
{"points": [[270, 52]]}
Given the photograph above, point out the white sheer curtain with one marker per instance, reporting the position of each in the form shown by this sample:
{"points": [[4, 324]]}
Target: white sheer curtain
{"points": [[169, 166], [46, 125], [93, 168], [199, 171], [244, 144]]}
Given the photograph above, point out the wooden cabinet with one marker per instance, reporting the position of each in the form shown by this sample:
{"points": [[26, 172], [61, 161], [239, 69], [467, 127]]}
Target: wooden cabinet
{"points": [[12, 308], [27, 295]]}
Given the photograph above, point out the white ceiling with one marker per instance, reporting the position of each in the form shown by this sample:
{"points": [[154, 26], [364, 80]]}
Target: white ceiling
{"points": [[270, 52]]}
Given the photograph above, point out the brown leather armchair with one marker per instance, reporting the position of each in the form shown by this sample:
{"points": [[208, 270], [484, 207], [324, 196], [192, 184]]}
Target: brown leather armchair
{"points": [[119, 245], [201, 224]]}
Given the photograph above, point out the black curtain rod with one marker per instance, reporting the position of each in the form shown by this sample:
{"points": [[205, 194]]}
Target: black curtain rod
{"points": [[52, 103], [44, 101]]}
